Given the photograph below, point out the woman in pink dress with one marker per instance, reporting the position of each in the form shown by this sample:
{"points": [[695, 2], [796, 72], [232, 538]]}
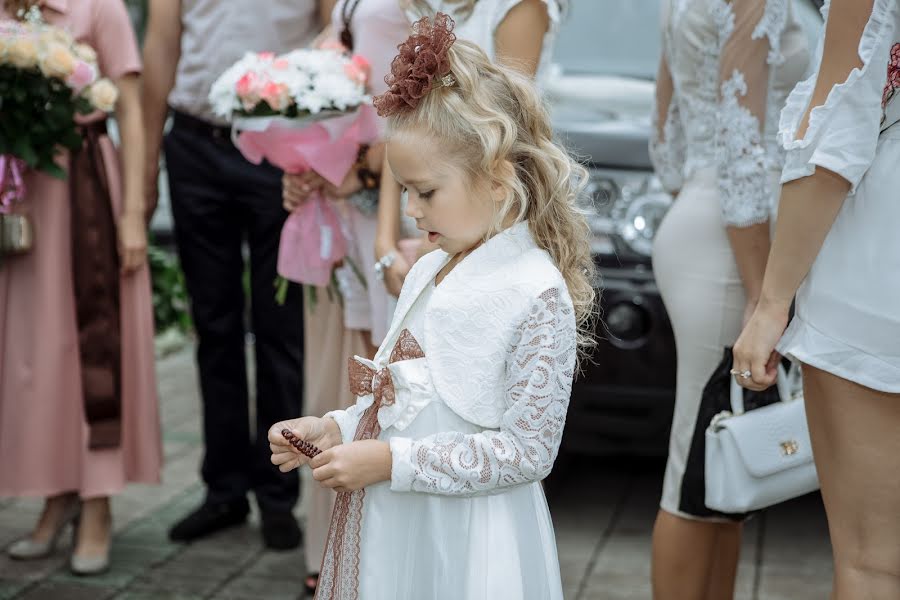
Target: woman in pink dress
{"points": [[71, 369]]}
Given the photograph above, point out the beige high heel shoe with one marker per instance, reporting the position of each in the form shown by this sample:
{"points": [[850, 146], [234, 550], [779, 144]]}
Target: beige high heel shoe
{"points": [[29, 549], [91, 564]]}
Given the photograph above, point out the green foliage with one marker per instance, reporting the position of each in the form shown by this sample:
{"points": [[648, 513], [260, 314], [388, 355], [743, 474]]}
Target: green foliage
{"points": [[170, 298], [38, 118]]}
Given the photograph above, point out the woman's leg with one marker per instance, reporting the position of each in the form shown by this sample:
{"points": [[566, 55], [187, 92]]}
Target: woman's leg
{"points": [[855, 433], [51, 519], [94, 528], [694, 560]]}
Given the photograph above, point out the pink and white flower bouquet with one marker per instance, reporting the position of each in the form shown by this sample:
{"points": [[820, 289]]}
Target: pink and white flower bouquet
{"points": [[304, 110]]}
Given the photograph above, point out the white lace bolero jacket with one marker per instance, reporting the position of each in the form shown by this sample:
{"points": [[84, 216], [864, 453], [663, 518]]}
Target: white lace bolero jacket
{"points": [[726, 69], [843, 132], [500, 350]]}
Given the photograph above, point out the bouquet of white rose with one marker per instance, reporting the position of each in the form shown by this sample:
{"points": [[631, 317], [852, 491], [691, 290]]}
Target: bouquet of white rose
{"points": [[305, 110]]}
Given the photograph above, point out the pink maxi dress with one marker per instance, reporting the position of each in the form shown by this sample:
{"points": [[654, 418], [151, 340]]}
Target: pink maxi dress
{"points": [[43, 432]]}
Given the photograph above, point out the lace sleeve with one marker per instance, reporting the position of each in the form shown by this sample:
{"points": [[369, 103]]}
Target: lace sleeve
{"points": [[539, 376], [750, 39], [667, 142], [843, 96]]}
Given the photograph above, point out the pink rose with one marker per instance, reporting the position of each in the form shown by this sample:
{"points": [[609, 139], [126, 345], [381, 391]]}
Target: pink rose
{"points": [[247, 89], [275, 95], [247, 84], [359, 69], [82, 76]]}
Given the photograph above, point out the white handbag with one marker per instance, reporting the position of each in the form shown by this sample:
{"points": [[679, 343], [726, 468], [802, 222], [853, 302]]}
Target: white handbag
{"points": [[762, 457]]}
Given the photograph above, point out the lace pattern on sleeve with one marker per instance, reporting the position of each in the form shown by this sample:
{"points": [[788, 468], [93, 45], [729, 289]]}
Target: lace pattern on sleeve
{"points": [[668, 151], [539, 376], [743, 163], [745, 74]]}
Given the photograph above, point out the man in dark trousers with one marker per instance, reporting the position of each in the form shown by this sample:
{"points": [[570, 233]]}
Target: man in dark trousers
{"points": [[220, 202]]}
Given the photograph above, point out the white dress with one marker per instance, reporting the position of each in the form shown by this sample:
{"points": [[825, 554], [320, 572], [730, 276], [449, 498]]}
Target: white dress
{"points": [[847, 318], [725, 72], [464, 516], [480, 26]]}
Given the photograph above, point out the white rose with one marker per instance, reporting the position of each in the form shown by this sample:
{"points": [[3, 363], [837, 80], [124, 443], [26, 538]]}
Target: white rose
{"points": [[86, 53], [22, 53], [103, 95], [57, 61]]}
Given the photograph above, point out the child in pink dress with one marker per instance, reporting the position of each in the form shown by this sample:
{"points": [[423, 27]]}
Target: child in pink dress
{"points": [[86, 459]]}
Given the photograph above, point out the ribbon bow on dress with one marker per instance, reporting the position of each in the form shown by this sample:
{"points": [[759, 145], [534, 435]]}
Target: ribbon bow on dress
{"points": [[407, 381]]}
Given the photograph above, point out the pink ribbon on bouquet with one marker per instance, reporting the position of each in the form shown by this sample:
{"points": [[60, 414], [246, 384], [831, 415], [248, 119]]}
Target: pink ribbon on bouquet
{"points": [[12, 181], [311, 239]]}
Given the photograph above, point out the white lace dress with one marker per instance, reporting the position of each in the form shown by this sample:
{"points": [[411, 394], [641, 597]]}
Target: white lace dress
{"points": [[847, 320], [464, 516], [726, 70]]}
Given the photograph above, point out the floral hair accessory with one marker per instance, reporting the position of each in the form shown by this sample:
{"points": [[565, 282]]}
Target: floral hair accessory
{"points": [[421, 66]]}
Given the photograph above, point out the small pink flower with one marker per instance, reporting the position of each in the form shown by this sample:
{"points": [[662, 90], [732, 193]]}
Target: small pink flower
{"points": [[267, 56], [247, 84], [275, 95], [281, 64], [363, 65], [81, 77]]}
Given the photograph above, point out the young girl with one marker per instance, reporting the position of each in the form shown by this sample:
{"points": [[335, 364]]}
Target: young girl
{"points": [[461, 413]]}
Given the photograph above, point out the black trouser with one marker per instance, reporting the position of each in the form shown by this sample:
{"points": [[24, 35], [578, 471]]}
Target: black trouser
{"points": [[219, 200]]}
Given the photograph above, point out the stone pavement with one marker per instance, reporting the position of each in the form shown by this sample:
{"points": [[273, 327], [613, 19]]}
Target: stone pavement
{"points": [[603, 517]]}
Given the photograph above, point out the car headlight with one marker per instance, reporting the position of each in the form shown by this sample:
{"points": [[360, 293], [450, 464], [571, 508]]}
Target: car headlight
{"points": [[626, 208]]}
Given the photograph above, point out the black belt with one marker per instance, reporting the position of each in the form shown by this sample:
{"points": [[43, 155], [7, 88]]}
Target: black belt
{"points": [[220, 133]]}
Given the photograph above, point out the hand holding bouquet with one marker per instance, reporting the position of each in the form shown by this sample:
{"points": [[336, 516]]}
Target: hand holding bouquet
{"points": [[305, 110], [46, 78]]}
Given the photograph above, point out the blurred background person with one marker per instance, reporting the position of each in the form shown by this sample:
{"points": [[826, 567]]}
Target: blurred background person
{"points": [[836, 247], [76, 317], [725, 72], [219, 202], [352, 323]]}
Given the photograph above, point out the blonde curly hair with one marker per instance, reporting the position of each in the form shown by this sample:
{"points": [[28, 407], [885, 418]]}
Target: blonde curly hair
{"points": [[493, 116]]}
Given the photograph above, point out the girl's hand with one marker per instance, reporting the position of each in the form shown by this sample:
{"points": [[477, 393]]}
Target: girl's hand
{"points": [[755, 349], [353, 466], [322, 433], [297, 188], [132, 232], [395, 275]]}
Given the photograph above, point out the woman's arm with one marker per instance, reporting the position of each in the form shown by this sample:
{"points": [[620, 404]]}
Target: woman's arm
{"points": [[162, 50], [745, 167], [519, 38], [810, 204], [132, 222]]}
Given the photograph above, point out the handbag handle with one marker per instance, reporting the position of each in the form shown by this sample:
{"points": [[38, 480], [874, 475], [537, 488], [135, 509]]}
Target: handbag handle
{"points": [[785, 382]]}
